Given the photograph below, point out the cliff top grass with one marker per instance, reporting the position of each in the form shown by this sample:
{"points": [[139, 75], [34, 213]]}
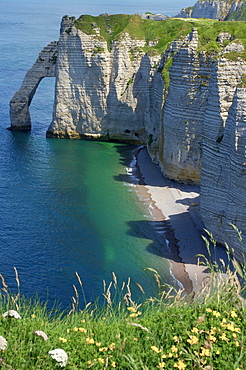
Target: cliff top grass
{"points": [[205, 330], [165, 332], [113, 26]]}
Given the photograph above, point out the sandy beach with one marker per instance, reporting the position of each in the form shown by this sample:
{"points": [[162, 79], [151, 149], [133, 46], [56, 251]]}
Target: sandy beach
{"points": [[174, 208]]}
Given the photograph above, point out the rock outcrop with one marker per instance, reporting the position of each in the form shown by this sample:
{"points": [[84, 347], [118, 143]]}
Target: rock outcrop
{"points": [[19, 104], [186, 105], [212, 9], [106, 94]]}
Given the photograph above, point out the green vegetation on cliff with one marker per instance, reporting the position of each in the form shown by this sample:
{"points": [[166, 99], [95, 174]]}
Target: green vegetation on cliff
{"points": [[162, 32]]}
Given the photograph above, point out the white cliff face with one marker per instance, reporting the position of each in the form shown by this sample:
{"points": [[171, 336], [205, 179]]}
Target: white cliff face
{"points": [[19, 104], [212, 9], [184, 112], [223, 181], [104, 94]]}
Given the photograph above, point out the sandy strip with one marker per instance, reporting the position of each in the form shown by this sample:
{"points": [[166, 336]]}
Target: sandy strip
{"points": [[175, 208]]}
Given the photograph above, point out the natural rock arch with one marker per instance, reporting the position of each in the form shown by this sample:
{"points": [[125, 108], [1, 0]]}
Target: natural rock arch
{"points": [[19, 105]]}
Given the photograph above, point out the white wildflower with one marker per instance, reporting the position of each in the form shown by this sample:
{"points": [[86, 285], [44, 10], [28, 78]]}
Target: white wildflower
{"points": [[3, 343], [42, 334], [59, 355], [11, 313]]}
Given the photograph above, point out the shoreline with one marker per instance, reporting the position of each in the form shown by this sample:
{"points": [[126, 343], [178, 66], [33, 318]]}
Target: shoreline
{"points": [[174, 210]]}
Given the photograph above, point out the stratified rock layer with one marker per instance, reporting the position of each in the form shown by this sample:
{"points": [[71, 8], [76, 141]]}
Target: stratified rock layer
{"points": [[223, 175], [212, 9], [105, 94]]}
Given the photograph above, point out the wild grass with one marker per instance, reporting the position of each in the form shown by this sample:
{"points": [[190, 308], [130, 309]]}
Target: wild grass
{"points": [[113, 26], [169, 331]]}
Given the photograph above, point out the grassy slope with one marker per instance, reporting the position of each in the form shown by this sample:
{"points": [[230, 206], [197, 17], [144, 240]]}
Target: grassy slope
{"points": [[168, 332], [112, 26]]}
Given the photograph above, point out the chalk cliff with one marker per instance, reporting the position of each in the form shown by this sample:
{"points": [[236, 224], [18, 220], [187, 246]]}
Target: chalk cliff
{"points": [[223, 175], [187, 104], [213, 9]]}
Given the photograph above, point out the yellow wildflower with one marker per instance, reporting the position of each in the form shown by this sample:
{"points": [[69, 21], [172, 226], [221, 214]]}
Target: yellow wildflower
{"points": [[180, 365], [193, 339], [98, 344], [223, 337], [175, 338], [75, 329], [113, 364], [208, 310], [111, 346], [213, 330], [161, 365], [101, 360], [136, 339], [89, 362], [205, 352], [217, 352], [233, 314], [82, 330], [89, 340], [195, 330], [155, 349], [131, 309], [103, 349], [33, 316], [236, 343], [234, 335], [63, 340], [212, 338], [174, 349], [68, 331], [170, 354], [216, 314], [135, 314], [237, 330], [230, 327], [163, 356], [83, 321]]}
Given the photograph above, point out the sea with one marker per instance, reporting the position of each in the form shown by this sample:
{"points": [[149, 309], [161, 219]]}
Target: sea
{"points": [[67, 206]]}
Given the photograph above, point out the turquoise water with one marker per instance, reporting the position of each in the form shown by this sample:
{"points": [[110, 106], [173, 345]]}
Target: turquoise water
{"points": [[64, 206]]}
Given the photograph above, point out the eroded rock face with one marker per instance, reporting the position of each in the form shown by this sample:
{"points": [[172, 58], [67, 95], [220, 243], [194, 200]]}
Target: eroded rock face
{"points": [[212, 9], [104, 94], [184, 112], [19, 104], [223, 174]]}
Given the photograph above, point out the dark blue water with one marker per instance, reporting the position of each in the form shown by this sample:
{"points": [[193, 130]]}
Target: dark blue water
{"points": [[64, 208]]}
